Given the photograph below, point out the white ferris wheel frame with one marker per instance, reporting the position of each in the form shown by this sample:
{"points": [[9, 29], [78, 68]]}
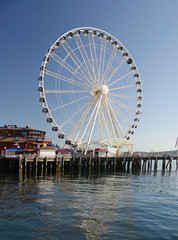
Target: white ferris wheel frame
{"points": [[95, 100]]}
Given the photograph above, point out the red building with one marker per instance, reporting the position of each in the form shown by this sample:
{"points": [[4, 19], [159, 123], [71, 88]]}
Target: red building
{"points": [[21, 140]]}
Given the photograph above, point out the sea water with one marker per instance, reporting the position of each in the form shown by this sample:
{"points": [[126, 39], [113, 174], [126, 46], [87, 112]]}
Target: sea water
{"points": [[103, 204]]}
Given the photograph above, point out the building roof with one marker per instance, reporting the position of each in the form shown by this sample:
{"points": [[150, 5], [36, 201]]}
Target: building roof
{"points": [[45, 147], [64, 151], [15, 128], [12, 139]]}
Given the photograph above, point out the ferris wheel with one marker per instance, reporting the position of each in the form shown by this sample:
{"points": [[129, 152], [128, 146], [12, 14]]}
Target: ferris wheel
{"points": [[90, 89]]}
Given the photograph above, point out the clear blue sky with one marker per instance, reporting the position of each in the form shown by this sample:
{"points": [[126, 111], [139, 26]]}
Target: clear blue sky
{"points": [[148, 29]]}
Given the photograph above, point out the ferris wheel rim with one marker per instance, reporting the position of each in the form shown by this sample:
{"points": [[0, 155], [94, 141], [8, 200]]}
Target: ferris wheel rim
{"points": [[43, 94]]}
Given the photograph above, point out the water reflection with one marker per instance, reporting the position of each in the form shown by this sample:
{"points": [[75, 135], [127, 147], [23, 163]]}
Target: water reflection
{"points": [[83, 205]]}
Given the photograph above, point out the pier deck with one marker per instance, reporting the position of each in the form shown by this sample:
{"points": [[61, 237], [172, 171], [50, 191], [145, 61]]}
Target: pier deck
{"points": [[121, 163]]}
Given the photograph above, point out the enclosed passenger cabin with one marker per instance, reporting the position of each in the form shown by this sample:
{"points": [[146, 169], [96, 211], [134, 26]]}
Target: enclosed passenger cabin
{"points": [[42, 100], [136, 75], [46, 59], [139, 105], [139, 98], [68, 142], [108, 39], [138, 83], [70, 35], [85, 32], [49, 120], [93, 33], [56, 45], [42, 68], [40, 79], [114, 43], [44, 110], [133, 68], [129, 61], [120, 48], [139, 90], [138, 112], [77, 33], [54, 128], [61, 136], [50, 51], [100, 35], [62, 39], [40, 89], [125, 55]]}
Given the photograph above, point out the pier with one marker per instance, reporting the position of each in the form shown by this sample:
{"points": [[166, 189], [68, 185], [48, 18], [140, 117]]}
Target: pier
{"points": [[126, 163]]}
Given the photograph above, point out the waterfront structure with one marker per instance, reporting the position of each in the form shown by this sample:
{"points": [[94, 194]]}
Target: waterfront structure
{"points": [[64, 153], [46, 151], [16, 140], [98, 153], [90, 90]]}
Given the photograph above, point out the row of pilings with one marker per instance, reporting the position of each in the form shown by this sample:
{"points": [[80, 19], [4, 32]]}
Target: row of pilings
{"points": [[137, 164]]}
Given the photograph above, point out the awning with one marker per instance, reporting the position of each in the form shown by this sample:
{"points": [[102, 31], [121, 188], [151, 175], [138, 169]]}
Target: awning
{"points": [[50, 144], [64, 151], [15, 149]]}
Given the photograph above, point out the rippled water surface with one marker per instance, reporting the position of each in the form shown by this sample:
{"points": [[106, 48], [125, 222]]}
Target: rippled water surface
{"points": [[96, 205]]}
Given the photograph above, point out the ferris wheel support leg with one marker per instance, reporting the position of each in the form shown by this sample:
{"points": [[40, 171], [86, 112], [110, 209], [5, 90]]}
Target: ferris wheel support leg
{"points": [[130, 150], [94, 120], [88, 122], [109, 117], [104, 121]]}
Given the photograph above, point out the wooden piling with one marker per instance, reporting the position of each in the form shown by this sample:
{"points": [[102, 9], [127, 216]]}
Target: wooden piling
{"points": [[20, 163], [163, 164], [156, 164]]}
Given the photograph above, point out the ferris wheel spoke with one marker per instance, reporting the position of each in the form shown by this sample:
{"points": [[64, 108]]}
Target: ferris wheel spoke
{"points": [[102, 59], [128, 86], [109, 117], [72, 70], [104, 54], [64, 105], [120, 78], [121, 115], [93, 56], [76, 131], [77, 62], [122, 96], [66, 91], [108, 67], [100, 127], [115, 71], [93, 124], [85, 57], [66, 79], [74, 115], [104, 121], [123, 105], [89, 120], [114, 117]]}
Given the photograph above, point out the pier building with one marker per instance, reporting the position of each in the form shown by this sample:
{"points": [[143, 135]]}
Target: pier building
{"points": [[16, 140]]}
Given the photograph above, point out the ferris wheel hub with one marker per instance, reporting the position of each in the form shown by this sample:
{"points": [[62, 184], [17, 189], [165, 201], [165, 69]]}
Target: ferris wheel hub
{"points": [[104, 90]]}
